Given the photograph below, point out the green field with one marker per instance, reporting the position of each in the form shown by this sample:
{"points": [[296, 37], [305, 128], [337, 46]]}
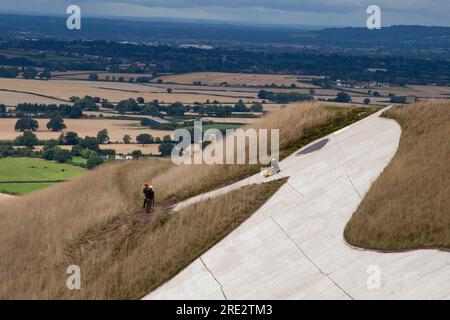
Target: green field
{"points": [[22, 188], [79, 160], [25, 175], [36, 170]]}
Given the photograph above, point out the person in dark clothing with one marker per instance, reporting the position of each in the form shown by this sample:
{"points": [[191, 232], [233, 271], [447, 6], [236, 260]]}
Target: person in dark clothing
{"points": [[149, 200]]}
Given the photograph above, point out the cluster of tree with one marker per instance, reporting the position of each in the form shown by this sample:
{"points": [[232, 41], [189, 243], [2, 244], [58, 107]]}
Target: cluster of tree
{"points": [[51, 151], [55, 124], [166, 146], [342, 97], [212, 110], [9, 151], [284, 97], [128, 105], [92, 143], [9, 72], [29, 73], [223, 111], [87, 103], [44, 110], [143, 79], [176, 109], [87, 148], [146, 138], [28, 139]]}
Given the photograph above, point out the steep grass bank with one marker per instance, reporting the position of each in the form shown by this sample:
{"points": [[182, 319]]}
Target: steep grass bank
{"points": [[408, 207]]}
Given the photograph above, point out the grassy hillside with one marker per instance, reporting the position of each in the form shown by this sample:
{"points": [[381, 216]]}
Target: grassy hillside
{"points": [[408, 207], [96, 220]]}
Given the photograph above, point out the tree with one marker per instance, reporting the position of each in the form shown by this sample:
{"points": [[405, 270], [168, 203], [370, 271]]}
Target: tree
{"points": [[256, 107], [166, 148], [30, 73], [144, 139], [151, 110], [90, 143], [49, 154], [49, 144], [103, 137], [136, 154], [93, 76], [75, 112], [366, 101], [70, 138], [45, 74], [61, 155], [56, 123], [2, 108], [176, 109], [94, 161], [240, 106], [126, 139], [25, 124], [140, 100], [9, 72], [342, 97], [167, 139], [76, 151], [169, 90], [28, 139]]}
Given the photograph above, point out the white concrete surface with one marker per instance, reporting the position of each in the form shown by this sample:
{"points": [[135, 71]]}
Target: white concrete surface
{"points": [[293, 246]]}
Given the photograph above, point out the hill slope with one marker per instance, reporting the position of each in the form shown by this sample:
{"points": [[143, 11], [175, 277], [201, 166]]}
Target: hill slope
{"points": [[95, 220], [408, 207]]}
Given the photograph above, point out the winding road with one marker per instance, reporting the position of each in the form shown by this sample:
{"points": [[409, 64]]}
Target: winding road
{"points": [[293, 246]]}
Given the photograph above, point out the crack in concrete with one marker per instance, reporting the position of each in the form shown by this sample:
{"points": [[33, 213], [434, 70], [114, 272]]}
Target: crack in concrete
{"points": [[354, 187], [309, 259], [212, 274]]}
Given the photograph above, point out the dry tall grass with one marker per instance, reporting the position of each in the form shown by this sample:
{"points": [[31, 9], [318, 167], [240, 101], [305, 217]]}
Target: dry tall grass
{"points": [[408, 207], [85, 220], [128, 267]]}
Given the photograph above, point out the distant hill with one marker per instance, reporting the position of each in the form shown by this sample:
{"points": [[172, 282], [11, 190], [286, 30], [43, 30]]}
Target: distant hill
{"points": [[388, 38]]}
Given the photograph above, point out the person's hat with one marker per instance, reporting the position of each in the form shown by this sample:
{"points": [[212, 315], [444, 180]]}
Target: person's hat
{"points": [[151, 187], [146, 184]]}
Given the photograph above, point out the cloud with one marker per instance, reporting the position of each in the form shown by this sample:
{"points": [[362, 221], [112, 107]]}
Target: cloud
{"points": [[323, 6], [314, 12]]}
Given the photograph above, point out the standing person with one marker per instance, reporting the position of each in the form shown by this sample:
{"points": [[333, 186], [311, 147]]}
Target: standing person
{"points": [[149, 194]]}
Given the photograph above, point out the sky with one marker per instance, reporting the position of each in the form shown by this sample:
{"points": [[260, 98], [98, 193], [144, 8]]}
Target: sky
{"points": [[265, 12]]}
